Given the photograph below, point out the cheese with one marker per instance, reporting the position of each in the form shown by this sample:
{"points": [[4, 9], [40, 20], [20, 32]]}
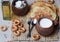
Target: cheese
{"points": [[20, 4]]}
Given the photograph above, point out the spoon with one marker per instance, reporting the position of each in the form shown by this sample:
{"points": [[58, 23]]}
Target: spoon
{"points": [[29, 22], [33, 24]]}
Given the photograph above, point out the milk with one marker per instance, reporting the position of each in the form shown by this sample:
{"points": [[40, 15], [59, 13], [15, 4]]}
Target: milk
{"points": [[45, 23]]}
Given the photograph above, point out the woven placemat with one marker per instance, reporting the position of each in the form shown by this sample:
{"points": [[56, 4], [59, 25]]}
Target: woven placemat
{"points": [[23, 36]]}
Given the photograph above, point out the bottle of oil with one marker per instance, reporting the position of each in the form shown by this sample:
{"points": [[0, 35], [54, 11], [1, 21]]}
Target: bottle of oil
{"points": [[6, 10]]}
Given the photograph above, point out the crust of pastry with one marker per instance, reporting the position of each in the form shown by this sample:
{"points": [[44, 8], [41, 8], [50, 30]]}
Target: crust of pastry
{"points": [[22, 30], [14, 28], [42, 8], [17, 33], [15, 21], [36, 37], [3, 28]]}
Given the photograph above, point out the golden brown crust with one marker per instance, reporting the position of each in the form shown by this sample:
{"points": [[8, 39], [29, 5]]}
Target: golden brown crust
{"points": [[20, 25], [51, 1], [43, 8], [22, 30], [39, 4], [15, 21], [17, 33], [14, 28], [36, 37], [17, 28], [3, 28]]}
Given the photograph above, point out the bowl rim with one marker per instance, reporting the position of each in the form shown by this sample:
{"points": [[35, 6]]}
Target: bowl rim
{"points": [[46, 18]]}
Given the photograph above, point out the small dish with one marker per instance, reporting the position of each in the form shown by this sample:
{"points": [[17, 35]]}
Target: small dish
{"points": [[20, 11]]}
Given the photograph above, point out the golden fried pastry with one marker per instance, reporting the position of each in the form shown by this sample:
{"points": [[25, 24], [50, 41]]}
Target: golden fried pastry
{"points": [[17, 27], [50, 1], [20, 25], [15, 21], [14, 28], [22, 30], [3, 28], [43, 8], [17, 33], [36, 37]]}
